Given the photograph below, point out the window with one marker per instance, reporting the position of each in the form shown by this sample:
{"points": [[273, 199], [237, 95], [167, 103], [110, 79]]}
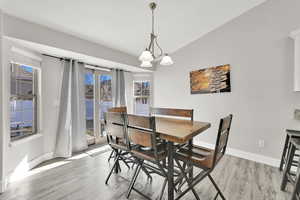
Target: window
{"points": [[141, 97], [23, 101]]}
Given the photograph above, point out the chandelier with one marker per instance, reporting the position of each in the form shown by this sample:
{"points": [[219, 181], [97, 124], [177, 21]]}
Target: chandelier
{"points": [[149, 55]]}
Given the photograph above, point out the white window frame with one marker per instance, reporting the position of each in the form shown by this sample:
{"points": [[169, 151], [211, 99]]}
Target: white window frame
{"points": [[135, 97], [36, 102]]}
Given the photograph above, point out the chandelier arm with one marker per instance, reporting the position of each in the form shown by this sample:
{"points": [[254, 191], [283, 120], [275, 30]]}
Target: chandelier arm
{"points": [[161, 51], [151, 43], [152, 21]]}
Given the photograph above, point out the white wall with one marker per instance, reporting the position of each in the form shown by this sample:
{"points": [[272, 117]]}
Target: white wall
{"points": [[1, 104], [22, 155], [21, 29], [262, 100]]}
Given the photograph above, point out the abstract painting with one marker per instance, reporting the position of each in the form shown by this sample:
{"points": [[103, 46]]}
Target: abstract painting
{"points": [[210, 80]]}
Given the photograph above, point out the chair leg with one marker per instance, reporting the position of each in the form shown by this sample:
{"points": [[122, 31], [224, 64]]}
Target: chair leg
{"points": [[283, 156], [112, 169], [287, 167], [217, 188], [147, 173], [111, 155], [133, 180], [187, 179]]}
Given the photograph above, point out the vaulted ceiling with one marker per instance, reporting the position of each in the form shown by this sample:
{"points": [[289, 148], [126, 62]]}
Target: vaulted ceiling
{"points": [[125, 24]]}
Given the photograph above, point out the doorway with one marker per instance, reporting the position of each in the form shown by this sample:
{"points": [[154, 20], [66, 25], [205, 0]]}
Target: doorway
{"points": [[98, 99]]}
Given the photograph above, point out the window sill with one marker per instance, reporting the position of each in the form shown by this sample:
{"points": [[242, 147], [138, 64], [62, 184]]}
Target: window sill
{"points": [[25, 140]]}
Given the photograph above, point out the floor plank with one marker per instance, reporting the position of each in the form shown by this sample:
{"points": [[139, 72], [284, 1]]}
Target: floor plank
{"points": [[82, 178]]}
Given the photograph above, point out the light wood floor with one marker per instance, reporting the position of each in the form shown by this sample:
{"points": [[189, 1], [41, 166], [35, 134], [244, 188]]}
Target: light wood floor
{"points": [[83, 179]]}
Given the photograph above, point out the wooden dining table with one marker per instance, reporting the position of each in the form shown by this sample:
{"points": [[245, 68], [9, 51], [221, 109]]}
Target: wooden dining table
{"points": [[178, 131]]}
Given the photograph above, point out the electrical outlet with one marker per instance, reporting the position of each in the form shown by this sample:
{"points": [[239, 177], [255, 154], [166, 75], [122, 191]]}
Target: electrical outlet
{"points": [[297, 114], [261, 143]]}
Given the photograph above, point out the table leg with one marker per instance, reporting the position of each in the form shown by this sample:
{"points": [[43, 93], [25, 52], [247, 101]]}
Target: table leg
{"points": [[191, 172], [170, 171]]}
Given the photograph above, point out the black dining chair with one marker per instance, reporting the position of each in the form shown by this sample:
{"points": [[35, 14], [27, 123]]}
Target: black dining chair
{"points": [[288, 174], [287, 145], [172, 112], [296, 190], [187, 114], [116, 137], [148, 147], [204, 158], [122, 109]]}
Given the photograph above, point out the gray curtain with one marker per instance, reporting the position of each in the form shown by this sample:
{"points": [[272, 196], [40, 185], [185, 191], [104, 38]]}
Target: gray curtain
{"points": [[118, 88], [71, 136]]}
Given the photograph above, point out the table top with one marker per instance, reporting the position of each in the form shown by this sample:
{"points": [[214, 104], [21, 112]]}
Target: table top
{"points": [[179, 130]]}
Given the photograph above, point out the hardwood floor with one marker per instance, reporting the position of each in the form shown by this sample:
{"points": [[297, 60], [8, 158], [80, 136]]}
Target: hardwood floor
{"points": [[82, 178]]}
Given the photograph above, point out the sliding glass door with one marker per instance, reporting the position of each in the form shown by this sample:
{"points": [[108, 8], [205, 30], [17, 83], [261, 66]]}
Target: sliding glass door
{"points": [[98, 101], [89, 103]]}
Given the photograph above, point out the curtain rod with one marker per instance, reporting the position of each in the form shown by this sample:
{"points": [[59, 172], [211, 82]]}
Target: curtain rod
{"points": [[61, 58]]}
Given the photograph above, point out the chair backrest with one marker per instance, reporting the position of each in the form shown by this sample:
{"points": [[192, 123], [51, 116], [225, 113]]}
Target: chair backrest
{"points": [[141, 131], [222, 139], [115, 126], [118, 109], [186, 113]]}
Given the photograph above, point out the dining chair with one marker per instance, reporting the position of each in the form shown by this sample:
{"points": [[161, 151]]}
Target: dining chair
{"points": [[288, 174], [174, 112], [287, 145], [122, 109], [148, 147], [204, 158], [296, 190], [116, 135]]}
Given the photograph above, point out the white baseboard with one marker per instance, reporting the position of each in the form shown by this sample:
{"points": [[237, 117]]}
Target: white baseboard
{"points": [[246, 155], [3, 185], [33, 163]]}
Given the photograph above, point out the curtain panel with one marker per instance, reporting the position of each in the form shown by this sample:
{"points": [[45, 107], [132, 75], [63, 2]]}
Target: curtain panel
{"points": [[118, 88], [71, 136]]}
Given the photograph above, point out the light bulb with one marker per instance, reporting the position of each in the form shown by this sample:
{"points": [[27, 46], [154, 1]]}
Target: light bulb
{"points": [[146, 64], [146, 56], [166, 60]]}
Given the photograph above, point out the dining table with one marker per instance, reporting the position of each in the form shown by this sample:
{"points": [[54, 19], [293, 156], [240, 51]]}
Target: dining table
{"points": [[177, 131]]}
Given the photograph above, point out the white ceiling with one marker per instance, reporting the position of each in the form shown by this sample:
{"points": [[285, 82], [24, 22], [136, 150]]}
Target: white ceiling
{"points": [[125, 24]]}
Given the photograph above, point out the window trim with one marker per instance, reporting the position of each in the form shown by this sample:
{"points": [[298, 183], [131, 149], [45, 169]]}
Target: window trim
{"points": [[36, 98], [135, 97]]}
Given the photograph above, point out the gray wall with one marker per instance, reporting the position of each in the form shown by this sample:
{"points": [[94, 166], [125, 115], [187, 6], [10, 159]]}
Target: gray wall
{"points": [[262, 100]]}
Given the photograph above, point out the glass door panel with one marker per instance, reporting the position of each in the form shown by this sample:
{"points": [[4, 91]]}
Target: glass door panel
{"points": [[105, 94], [89, 102]]}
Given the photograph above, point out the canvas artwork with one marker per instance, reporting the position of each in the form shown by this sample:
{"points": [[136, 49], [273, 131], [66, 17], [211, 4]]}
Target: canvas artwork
{"points": [[210, 80]]}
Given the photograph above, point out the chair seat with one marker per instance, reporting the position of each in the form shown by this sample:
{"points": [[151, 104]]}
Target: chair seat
{"points": [[200, 156], [148, 154], [119, 145]]}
